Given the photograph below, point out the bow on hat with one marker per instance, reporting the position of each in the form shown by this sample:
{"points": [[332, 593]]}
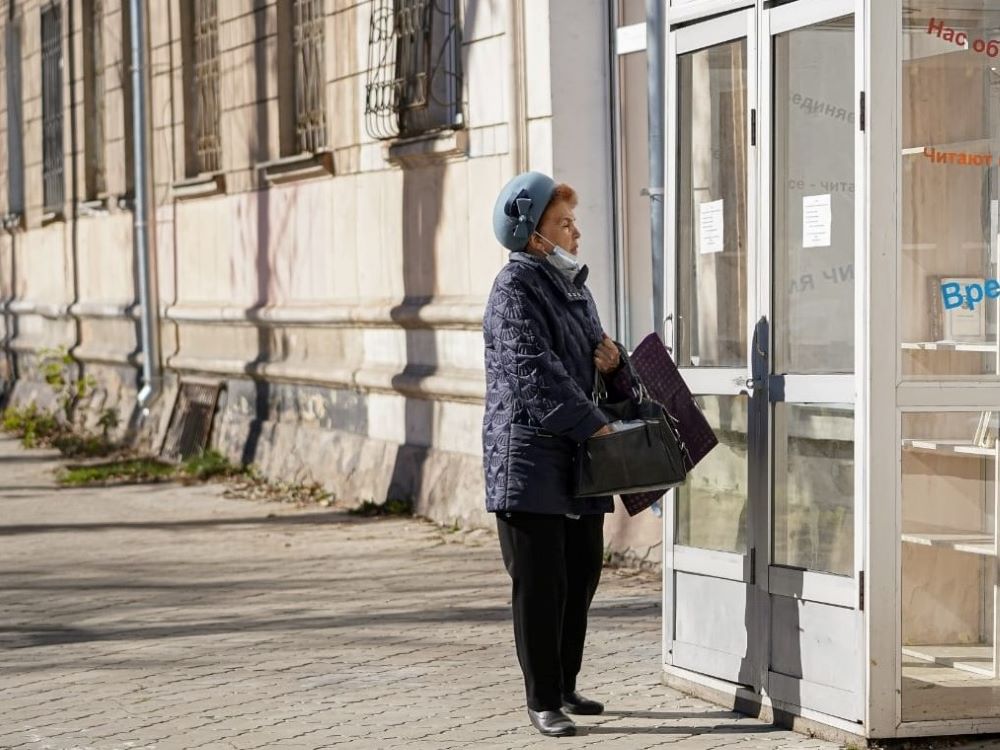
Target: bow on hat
{"points": [[519, 208]]}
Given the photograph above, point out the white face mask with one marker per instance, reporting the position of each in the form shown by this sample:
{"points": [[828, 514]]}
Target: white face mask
{"points": [[561, 260]]}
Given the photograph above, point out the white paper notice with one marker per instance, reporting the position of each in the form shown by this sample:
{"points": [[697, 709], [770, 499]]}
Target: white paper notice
{"points": [[711, 234], [816, 220]]}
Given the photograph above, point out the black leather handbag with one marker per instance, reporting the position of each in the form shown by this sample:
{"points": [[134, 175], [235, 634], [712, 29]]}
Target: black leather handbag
{"points": [[643, 452]]}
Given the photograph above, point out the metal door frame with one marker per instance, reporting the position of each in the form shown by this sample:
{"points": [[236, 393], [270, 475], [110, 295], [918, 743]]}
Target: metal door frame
{"points": [[758, 26], [740, 24], [778, 580]]}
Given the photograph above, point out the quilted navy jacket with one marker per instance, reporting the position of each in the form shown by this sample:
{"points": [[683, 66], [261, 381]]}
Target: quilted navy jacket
{"points": [[540, 332]]}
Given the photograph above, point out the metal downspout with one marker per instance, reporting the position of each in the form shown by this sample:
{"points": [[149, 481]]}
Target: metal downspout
{"points": [[144, 238], [517, 83], [656, 70], [74, 209]]}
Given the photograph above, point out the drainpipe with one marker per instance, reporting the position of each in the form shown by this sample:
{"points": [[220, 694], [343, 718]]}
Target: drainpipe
{"points": [[656, 70], [74, 181], [517, 85], [144, 236]]}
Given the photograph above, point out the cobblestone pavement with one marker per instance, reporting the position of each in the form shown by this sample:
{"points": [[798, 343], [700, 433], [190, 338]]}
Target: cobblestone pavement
{"points": [[167, 616]]}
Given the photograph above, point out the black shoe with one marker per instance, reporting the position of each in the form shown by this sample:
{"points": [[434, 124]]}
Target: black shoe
{"points": [[552, 723], [577, 704]]}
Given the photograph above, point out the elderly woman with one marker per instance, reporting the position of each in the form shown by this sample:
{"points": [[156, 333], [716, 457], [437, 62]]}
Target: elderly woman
{"points": [[543, 342]]}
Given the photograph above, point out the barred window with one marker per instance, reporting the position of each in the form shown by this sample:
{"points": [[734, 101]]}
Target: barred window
{"points": [[53, 185], [126, 82], [15, 119], [200, 44], [414, 81], [301, 71], [93, 97]]}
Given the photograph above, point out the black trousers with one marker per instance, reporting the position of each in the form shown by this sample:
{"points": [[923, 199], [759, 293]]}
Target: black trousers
{"points": [[555, 565]]}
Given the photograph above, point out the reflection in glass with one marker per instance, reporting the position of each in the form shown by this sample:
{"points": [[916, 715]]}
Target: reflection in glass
{"points": [[950, 149], [712, 504], [814, 126], [814, 487], [712, 208], [949, 565], [634, 176]]}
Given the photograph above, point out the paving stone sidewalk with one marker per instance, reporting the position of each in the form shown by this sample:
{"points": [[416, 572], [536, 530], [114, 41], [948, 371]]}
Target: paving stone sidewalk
{"points": [[167, 616]]}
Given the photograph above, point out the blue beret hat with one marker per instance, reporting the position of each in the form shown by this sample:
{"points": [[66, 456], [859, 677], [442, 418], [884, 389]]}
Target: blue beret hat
{"points": [[519, 207]]}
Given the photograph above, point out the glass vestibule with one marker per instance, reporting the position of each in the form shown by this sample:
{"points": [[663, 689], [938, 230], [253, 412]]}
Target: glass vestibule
{"points": [[762, 565], [949, 154], [864, 357]]}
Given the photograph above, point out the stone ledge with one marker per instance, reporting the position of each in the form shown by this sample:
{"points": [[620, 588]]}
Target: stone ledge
{"points": [[96, 207], [99, 310], [431, 148], [13, 221], [460, 313], [463, 386], [298, 167], [45, 310], [200, 186]]}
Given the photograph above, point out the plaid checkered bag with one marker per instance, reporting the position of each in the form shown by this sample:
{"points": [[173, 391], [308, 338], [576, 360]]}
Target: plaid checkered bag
{"points": [[663, 381]]}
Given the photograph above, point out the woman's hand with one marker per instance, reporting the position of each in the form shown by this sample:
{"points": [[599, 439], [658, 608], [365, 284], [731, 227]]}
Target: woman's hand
{"points": [[606, 357], [605, 430]]}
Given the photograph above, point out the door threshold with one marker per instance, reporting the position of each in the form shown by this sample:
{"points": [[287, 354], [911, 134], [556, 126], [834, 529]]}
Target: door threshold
{"points": [[745, 701]]}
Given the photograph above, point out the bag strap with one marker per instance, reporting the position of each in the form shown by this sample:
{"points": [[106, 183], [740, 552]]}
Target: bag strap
{"points": [[639, 392]]}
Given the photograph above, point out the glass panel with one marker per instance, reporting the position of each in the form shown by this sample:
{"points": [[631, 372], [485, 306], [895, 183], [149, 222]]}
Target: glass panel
{"points": [[814, 487], [634, 165], [949, 493], [631, 12], [712, 207], [950, 148], [813, 189], [712, 504]]}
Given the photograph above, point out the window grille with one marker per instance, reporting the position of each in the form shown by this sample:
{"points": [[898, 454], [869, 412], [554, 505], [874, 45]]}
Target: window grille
{"points": [[310, 109], [414, 81], [53, 184], [126, 83], [15, 142], [205, 143], [93, 93]]}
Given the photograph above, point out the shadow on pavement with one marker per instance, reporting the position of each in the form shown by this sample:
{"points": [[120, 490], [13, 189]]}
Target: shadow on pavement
{"points": [[292, 519], [681, 729], [673, 714]]}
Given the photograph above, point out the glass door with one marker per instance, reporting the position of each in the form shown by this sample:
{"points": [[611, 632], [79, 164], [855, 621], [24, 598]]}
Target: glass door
{"points": [[711, 305], [764, 544], [811, 137]]}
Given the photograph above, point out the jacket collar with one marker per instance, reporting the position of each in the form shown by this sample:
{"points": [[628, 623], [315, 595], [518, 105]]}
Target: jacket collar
{"points": [[571, 291]]}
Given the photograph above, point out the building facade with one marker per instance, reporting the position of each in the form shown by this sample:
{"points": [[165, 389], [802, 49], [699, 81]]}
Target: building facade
{"points": [[323, 175]]}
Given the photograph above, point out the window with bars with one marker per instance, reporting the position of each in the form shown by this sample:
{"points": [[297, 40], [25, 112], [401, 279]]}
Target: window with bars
{"points": [[201, 72], [53, 183], [15, 120], [126, 84], [93, 98], [306, 27], [414, 83]]}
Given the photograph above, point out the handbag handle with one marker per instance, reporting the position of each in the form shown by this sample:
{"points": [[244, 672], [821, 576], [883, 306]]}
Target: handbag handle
{"points": [[639, 392]]}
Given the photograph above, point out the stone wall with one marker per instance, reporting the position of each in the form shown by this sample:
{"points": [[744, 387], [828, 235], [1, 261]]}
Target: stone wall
{"points": [[340, 309]]}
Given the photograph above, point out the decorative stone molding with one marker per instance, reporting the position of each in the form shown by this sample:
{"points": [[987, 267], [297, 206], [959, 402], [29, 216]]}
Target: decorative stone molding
{"points": [[299, 167], [460, 314], [97, 207], [465, 386], [432, 148], [99, 310], [199, 186], [45, 310], [12, 221]]}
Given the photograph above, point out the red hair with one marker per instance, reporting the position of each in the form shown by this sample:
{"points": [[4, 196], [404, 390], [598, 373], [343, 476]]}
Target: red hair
{"points": [[563, 193]]}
